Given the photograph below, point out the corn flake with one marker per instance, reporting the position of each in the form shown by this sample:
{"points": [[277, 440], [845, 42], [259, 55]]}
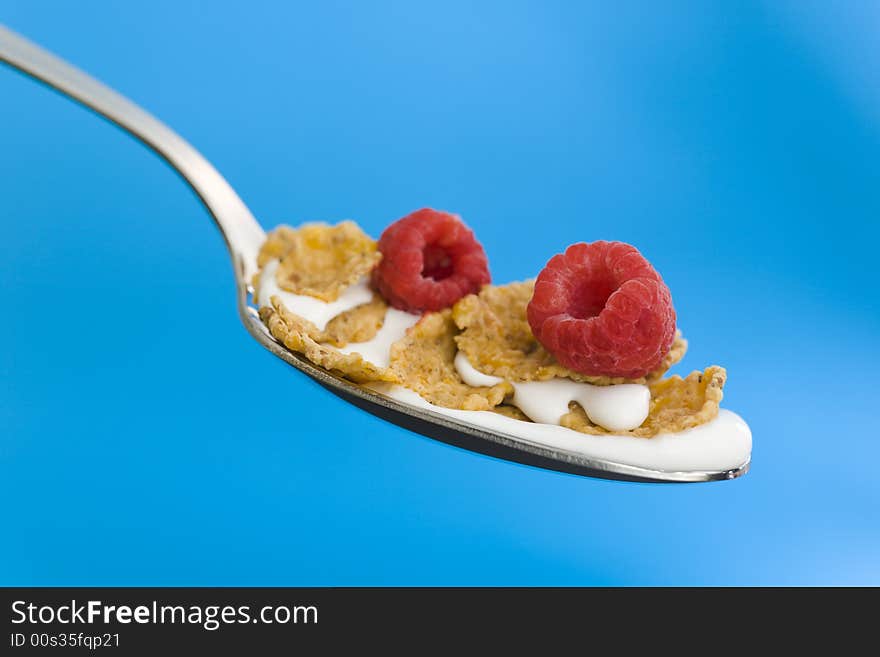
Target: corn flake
{"points": [[318, 259]]}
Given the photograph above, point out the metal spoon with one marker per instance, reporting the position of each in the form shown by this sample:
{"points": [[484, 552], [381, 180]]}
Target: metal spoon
{"points": [[243, 236]]}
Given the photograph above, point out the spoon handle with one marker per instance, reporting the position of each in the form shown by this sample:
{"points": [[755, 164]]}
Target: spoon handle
{"points": [[242, 233]]}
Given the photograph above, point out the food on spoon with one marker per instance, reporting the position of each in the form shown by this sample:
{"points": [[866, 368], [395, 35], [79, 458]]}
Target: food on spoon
{"points": [[581, 350], [430, 260], [602, 310]]}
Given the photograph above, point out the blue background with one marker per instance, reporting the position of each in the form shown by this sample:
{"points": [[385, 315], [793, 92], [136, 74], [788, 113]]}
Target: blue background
{"points": [[146, 439]]}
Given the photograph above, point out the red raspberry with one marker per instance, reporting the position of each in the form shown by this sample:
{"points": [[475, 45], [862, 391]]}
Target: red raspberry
{"points": [[430, 260], [602, 310]]}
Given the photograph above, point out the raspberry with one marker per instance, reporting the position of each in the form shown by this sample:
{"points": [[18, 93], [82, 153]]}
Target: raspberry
{"points": [[602, 310], [430, 260]]}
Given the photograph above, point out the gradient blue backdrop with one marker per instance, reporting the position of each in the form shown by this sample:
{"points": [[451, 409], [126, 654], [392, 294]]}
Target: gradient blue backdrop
{"points": [[146, 439]]}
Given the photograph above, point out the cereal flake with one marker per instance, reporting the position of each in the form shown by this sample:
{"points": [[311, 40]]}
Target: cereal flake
{"points": [[318, 259]]}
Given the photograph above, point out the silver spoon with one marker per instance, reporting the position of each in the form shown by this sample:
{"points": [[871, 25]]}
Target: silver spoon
{"points": [[244, 236]]}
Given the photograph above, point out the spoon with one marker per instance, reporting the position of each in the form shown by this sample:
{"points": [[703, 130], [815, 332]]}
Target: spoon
{"points": [[244, 236]]}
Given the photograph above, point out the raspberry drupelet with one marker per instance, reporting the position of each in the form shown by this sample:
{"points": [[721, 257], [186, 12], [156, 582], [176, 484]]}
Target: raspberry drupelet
{"points": [[602, 310], [430, 260]]}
